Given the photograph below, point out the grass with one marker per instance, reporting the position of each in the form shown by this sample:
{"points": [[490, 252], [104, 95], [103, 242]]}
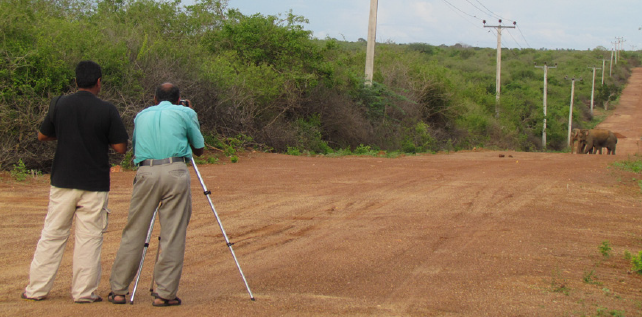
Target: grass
{"points": [[605, 249], [558, 284], [637, 263], [20, 172], [632, 164], [589, 278]]}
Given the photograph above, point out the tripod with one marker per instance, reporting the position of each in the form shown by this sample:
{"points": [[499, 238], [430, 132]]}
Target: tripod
{"points": [[151, 227], [227, 241], [142, 260]]}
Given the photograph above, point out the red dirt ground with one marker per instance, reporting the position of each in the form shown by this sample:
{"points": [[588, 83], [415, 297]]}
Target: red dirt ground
{"points": [[463, 234]]}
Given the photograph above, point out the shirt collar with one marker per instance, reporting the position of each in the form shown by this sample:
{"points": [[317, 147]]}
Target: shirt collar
{"points": [[165, 103]]}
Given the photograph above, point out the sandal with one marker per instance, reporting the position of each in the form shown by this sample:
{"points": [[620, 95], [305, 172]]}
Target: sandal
{"points": [[112, 298], [89, 300], [165, 302], [35, 299]]}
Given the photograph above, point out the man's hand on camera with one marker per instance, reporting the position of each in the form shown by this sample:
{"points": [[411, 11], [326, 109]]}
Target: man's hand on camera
{"points": [[186, 103]]}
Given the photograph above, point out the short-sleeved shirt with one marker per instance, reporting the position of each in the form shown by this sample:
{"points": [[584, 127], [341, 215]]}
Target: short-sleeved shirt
{"points": [[166, 130], [85, 126]]}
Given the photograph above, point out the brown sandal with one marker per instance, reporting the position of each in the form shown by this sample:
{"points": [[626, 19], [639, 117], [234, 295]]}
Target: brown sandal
{"points": [[112, 298], [165, 302]]}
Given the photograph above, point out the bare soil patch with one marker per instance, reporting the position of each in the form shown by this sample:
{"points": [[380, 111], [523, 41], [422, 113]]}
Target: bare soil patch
{"points": [[485, 233]]}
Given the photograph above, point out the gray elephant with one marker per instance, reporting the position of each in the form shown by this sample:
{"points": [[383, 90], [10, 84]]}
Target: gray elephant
{"points": [[579, 136], [596, 139]]}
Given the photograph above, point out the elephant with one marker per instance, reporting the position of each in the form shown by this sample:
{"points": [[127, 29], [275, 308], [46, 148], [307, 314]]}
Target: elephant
{"points": [[596, 139], [579, 136]]}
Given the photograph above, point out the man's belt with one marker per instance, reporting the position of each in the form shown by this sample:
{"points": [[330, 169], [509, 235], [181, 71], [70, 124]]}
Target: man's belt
{"points": [[168, 160]]}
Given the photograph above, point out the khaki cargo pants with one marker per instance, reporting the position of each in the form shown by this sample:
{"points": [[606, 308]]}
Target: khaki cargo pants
{"points": [[90, 209]]}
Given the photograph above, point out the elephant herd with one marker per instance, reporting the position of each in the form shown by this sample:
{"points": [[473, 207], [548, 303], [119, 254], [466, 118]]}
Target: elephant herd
{"points": [[593, 140]]}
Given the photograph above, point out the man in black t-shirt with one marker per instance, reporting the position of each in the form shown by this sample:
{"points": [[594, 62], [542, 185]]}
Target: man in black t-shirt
{"points": [[85, 127]]}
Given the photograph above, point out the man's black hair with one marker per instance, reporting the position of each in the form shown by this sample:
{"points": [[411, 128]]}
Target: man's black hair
{"points": [[168, 92], [87, 74]]}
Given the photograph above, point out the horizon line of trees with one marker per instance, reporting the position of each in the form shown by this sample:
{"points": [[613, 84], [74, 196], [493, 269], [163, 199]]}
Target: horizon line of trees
{"points": [[263, 81]]}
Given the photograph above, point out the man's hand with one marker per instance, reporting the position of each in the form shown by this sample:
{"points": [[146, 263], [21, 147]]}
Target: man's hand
{"points": [[186, 103], [42, 137], [198, 152], [120, 148]]}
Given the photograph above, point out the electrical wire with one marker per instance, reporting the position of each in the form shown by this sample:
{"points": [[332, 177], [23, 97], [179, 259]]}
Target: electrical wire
{"points": [[511, 35], [459, 12], [454, 7], [520, 32], [491, 12]]}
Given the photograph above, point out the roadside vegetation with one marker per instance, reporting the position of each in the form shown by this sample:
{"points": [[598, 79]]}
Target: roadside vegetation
{"points": [[265, 83], [633, 166]]}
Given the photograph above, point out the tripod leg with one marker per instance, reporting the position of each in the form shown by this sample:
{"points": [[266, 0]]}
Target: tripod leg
{"points": [[142, 260], [151, 286], [229, 245]]}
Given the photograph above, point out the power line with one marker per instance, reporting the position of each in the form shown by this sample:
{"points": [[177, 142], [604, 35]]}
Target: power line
{"points": [[511, 35], [459, 12], [491, 12], [520, 32], [475, 6], [454, 7]]}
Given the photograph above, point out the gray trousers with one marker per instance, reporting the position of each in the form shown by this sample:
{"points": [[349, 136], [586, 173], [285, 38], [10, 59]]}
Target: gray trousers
{"points": [[169, 186]]}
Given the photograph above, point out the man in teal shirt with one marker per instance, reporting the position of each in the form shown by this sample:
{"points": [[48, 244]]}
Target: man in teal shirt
{"points": [[165, 137]]}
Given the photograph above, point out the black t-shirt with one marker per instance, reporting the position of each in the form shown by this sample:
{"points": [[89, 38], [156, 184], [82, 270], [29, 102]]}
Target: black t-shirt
{"points": [[85, 126]]}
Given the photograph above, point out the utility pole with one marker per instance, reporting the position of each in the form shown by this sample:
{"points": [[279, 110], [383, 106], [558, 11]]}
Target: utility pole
{"points": [[611, 65], [616, 50], [372, 38], [593, 88], [499, 60], [603, 65], [545, 67], [570, 113], [620, 44]]}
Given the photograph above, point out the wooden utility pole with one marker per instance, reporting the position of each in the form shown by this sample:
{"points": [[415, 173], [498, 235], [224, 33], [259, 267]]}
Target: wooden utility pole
{"points": [[611, 65], [372, 38], [499, 60], [603, 65], [570, 113], [593, 88], [616, 50], [620, 44], [545, 67]]}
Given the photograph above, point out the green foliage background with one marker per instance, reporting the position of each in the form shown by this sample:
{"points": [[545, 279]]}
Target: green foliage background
{"points": [[265, 79]]}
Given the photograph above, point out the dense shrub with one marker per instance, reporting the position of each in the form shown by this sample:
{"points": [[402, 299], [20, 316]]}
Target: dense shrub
{"points": [[266, 79]]}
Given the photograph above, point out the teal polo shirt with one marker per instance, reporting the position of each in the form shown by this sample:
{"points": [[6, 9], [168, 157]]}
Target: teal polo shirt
{"points": [[166, 130]]}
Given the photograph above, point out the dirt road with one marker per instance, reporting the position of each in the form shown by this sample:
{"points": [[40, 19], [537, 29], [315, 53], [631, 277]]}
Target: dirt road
{"points": [[464, 234]]}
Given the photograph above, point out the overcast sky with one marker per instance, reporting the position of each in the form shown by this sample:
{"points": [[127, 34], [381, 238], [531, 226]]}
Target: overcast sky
{"points": [[576, 24]]}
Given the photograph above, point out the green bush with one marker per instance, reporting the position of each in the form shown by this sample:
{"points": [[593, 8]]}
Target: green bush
{"points": [[293, 151], [265, 78], [605, 249], [19, 171], [637, 263]]}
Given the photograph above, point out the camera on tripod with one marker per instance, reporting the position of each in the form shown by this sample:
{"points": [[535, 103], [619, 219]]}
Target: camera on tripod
{"points": [[186, 103]]}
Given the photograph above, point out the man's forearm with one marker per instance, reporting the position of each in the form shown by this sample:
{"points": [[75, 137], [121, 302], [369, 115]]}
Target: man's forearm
{"points": [[42, 137], [120, 148]]}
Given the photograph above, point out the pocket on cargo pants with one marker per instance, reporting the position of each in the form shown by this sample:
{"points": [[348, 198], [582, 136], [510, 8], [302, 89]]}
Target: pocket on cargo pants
{"points": [[105, 215]]}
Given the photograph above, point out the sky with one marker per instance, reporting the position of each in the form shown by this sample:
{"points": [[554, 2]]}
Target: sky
{"points": [[550, 24]]}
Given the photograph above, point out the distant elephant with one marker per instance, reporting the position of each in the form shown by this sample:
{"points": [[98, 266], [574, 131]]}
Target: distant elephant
{"points": [[596, 139], [579, 136]]}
